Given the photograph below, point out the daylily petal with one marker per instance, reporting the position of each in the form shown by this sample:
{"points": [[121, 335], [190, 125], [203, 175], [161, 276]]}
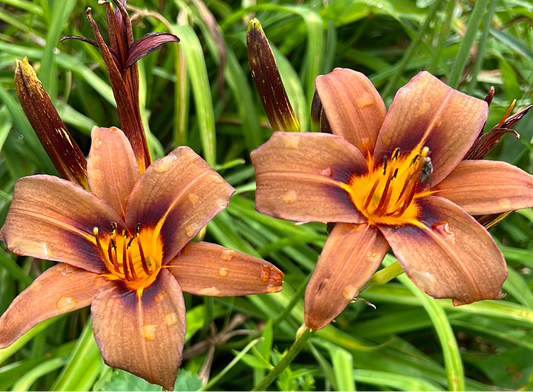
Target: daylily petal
{"points": [[147, 44], [426, 112], [177, 195], [212, 270], [351, 255], [353, 107], [449, 255], [486, 142], [53, 219], [487, 187], [145, 335], [112, 169], [300, 177], [57, 290]]}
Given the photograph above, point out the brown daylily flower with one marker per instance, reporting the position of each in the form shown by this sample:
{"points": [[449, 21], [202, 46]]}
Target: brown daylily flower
{"points": [[125, 249], [392, 179], [120, 59]]}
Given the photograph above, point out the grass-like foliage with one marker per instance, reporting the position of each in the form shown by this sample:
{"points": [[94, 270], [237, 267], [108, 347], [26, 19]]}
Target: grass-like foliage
{"points": [[200, 93]]}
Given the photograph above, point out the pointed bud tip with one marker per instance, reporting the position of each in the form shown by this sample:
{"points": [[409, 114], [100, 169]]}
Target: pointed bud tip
{"points": [[254, 25]]}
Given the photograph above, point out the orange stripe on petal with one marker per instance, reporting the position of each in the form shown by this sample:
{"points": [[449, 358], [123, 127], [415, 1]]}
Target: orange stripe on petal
{"points": [[449, 254], [351, 255], [212, 270], [60, 289], [145, 335]]}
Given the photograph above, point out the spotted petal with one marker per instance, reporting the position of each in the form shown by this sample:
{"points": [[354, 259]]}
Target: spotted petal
{"points": [[449, 255], [300, 177], [426, 112], [58, 290], [112, 169], [212, 270], [351, 255], [53, 219], [487, 187], [353, 107], [145, 335], [177, 195]]}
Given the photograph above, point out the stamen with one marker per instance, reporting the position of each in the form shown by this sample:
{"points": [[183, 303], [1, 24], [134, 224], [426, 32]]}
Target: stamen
{"points": [[384, 164], [145, 266], [506, 114], [395, 153]]}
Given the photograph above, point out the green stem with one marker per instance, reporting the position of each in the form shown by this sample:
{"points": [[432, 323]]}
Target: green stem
{"points": [[285, 361], [385, 275], [450, 8]]}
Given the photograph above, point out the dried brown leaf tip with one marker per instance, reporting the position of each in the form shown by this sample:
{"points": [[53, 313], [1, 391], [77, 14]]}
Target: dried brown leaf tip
{"points": [[120, 58], [268, 82], [48, 126], [392, 179], [125, 249]]}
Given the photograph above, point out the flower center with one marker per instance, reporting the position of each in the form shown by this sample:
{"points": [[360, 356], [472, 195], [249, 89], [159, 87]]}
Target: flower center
{"points": [[135, 259], [387, 194]]}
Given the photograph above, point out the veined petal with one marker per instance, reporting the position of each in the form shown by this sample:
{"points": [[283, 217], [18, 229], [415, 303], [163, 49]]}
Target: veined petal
{"points": [[353, 107], [487, 187], [60, 289], [112, 169], [177, 195], [300, 177], [449, 255], [147, 44], [212, 270], [53, 219], [145, 335], [351, 255], [426, 112]]}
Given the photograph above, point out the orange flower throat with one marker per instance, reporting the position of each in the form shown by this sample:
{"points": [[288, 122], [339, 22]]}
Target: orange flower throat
{"points": [[134, 258], [387, 194]]}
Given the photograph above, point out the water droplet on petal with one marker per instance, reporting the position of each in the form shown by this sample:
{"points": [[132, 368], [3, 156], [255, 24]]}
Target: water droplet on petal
{"points": [[289, 197], [227, 254], [223, 272], [216, 178], [505, 204], [386, 140], [66, 269], [349, 292], [148, 331], [291, 141], [273, 289], [366, 100], [66, 304], [327, 172], [97, 143], [210, 291], [423, 109], [193, 198], [221, 203], [164, 164], [161, 296], [372, 255], [265, 273], [365, 143], [170, 319], [444, 230], [191, 229]]}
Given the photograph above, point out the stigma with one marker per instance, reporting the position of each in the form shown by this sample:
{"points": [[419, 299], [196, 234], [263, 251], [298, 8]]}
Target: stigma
{"points": [[133, 258], [387, 194]]}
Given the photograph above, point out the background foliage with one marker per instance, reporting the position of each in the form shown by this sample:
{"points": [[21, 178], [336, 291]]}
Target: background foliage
{"points": [[200, 93]]}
